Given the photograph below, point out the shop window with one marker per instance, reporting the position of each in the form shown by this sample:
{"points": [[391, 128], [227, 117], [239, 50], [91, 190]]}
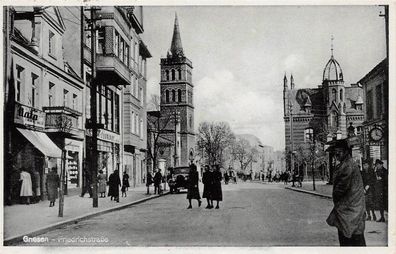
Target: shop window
{"points": [[19, 82], [100, 38], [65, 97], [51, 93], [173, 74], [116, 113], [51, 43], [179, 95], [116, 43], [34, 90]]}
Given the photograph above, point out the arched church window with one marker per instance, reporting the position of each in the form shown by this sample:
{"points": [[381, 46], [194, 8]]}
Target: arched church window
{"points": [[167, 74], [179, 95], [173, 95], [344, 108], [179, 72], [341, 95], [334, 120], [334, 94], [173, 74], [167, 96]]}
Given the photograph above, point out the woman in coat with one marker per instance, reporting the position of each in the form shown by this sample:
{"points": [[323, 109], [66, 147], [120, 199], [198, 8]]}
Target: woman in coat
{"points": [[193, 191], [52, 186], [102, 184], [26, 185], [217, 193], [114, 184], [125, 180], [381, 189], [369, 179], [207, 180]]}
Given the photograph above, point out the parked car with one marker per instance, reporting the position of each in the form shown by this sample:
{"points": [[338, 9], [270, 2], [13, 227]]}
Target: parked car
{"points": [[178, 179]]}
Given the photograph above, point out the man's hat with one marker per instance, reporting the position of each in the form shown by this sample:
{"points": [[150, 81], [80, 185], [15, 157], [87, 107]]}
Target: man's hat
{"points": [[346, 143], [377, 161]]}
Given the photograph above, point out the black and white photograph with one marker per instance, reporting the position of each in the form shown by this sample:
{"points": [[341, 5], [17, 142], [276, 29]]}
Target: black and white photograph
{"points": [[212, 124]]}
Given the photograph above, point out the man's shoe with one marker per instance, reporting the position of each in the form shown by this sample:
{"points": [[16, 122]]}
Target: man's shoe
{"points": [[368, 217], [189, 207], [381, 220], [199, 203], [217, 207], [207, 207]]}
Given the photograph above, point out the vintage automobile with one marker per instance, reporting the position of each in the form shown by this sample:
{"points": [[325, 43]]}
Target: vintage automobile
{"points": [[178, 179]]}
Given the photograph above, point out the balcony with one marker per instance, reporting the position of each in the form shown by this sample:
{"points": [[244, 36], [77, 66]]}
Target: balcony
{"points": [[112, 71], [63, 120]]}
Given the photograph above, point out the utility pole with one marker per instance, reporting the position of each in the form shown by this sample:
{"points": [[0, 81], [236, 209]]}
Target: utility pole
{"points": [[93, 124]]}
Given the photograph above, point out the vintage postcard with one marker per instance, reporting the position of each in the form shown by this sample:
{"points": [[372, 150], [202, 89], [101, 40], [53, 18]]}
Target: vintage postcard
{"points": [[198, 124]]}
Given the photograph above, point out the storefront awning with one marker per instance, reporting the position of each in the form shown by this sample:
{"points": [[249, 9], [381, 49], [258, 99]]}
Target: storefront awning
{"points": [[42, 142]]}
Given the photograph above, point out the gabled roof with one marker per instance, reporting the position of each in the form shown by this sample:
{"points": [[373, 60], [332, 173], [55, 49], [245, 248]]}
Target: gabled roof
{"points": [[54, 15]]}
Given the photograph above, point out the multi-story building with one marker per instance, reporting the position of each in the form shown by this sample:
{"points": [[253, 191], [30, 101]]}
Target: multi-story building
{"points": [[375, 128], [48, 69], [47, 99], [325, 112], [121, 95]]}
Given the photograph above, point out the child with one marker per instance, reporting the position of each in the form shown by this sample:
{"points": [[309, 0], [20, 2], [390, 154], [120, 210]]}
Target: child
{"points": [[123, 190]]}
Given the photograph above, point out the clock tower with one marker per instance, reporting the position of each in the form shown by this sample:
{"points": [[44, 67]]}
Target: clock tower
{"points": [[176, 98]]}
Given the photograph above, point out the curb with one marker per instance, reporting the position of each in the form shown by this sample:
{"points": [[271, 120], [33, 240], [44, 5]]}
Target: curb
{"points": [[310, 192], [15, 239]]}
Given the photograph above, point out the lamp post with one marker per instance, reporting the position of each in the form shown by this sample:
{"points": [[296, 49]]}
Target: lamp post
{"points": [[291, 140], [311, 138]]}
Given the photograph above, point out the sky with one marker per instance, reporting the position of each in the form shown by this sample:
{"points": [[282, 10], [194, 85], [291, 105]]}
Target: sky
{"points": [[241, 53]]}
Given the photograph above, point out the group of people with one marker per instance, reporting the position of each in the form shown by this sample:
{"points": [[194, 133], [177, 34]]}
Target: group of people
{"points": [[355, 194], [157, 179], [211, 180]]}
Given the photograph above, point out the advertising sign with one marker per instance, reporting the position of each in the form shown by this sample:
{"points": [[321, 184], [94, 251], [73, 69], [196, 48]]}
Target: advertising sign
{"points": [[29, 116]]}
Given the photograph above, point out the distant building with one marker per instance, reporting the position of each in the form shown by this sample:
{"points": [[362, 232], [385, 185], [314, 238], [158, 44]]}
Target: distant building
{"points": [[327, 110]]}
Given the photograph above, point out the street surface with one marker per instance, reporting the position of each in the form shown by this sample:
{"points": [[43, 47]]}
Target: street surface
{"points": [[252, 214]]}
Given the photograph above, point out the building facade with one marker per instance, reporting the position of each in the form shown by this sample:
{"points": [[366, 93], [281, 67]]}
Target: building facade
{"points": [[48, 75], [321, 113], [375, 128]]}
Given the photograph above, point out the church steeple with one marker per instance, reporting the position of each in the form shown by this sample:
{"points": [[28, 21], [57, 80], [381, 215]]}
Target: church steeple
{"points": [[176, 46], [291, 82]]}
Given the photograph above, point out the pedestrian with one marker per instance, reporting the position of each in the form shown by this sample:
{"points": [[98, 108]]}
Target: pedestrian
{"points": [[300, 176], [87, 183], [26, 186], [102, 184], [149, 181], [369, 180], [157, 182], [381, 188], [114, 184], [216, 191], [125, 180], [207, 180], [348, 214], [123, 191], [52, 183], [36, 185], [226, 178], [193, 190]]}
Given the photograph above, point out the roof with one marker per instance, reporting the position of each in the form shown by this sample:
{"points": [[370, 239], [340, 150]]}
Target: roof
{"points": [[332, 71]]}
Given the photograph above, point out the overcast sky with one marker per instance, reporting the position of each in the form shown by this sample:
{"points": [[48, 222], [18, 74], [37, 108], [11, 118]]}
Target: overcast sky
{"points": [[240, 55]]}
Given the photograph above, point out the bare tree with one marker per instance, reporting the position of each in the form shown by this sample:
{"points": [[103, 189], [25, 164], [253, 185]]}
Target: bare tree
{"points": [[244, 153], [213, 138], [154, 103]]}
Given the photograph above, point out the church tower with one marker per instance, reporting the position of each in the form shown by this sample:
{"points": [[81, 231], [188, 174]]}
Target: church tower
{"points": [[176, 90]]}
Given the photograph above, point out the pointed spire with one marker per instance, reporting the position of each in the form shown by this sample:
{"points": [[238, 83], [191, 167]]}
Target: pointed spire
{"points": [[284, 81], [291, 81], [176, 46]]}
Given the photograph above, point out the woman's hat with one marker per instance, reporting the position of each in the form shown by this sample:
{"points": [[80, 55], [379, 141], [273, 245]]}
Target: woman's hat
{"points": [[377, 161]]}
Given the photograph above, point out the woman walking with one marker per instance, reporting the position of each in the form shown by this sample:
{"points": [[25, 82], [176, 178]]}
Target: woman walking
{"points": [[125, 180], [102, 184], [193, 191], [207, 180], [217, 193], [369, 179], [114, 184], [52, 186]]}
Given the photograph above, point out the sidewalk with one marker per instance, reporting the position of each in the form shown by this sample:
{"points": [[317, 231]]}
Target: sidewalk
{"points": [[34, 219], [376, 233]]}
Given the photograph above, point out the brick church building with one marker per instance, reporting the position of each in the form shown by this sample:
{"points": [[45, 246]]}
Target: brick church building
{"points": [[328, 111]]}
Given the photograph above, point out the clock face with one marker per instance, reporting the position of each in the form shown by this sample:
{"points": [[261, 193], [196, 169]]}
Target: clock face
{"points": [[376, 134]]}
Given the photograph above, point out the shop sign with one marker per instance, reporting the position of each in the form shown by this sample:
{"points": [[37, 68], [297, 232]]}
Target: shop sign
{"points": [[29, 116], [105, 135]]}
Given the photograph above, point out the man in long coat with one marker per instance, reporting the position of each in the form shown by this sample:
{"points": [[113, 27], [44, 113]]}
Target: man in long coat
{"points": [[381, 188], [52, 186], [348, 214], [217, 193], [114, 184]]}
